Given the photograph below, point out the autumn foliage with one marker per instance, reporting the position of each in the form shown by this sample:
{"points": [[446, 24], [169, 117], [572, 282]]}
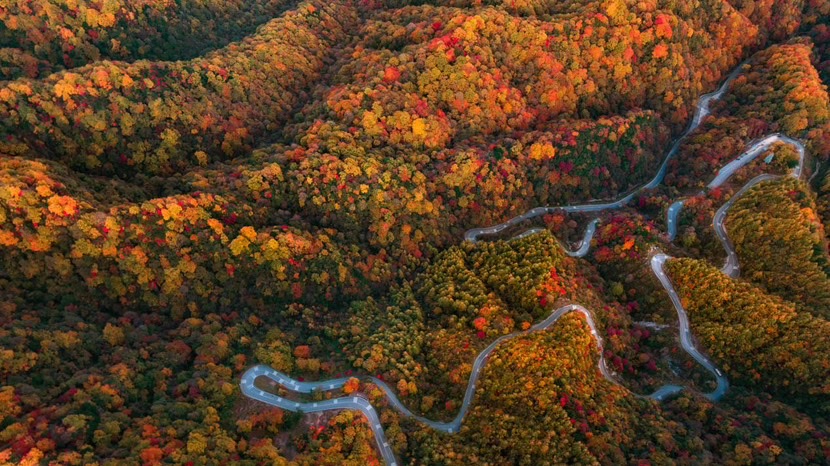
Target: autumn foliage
{"points": [[191, 187]]}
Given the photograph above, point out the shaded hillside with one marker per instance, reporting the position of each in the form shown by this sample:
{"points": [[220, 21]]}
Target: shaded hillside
{"points": [[190, 188]]}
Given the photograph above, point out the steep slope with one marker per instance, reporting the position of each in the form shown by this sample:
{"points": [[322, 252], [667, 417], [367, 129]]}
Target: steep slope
{"points": [[55, 34], [163, 117], [782, 244], [760, 339]]}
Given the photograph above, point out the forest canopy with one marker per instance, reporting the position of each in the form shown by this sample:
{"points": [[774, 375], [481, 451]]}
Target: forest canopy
{"points": [[191, 188]]}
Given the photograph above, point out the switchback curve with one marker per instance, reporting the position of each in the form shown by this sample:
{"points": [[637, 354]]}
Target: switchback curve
{"points": [[359, 403]]}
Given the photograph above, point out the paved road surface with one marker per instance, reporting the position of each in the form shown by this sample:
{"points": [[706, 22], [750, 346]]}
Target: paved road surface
{"points": [[754, 150], [671, 218], [686, 341], [584, 245], [701, 111], [358, 403], [732, 267]]}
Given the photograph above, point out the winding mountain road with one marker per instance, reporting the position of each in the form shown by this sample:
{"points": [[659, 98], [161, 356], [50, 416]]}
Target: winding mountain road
{"points": [[671, 220], [584, 245], [701, 111], [359, 403], [732, 267], [686, 341]]}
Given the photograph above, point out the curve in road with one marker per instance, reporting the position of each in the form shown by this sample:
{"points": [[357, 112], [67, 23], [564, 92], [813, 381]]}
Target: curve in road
{"points": [[732, 267], [657, 262], [701, 111], [584, 245], [671, 219], [359, 403]]}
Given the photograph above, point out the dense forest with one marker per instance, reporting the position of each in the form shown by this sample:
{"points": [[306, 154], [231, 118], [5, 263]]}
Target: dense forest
{"points": [[189, 188], [781, 243], [761, 339], [42, 37]]}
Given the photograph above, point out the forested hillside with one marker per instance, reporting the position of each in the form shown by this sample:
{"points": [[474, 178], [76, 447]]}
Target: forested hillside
{"points": [[783, 244], [761, 339], [449, 213], [44, 36]]}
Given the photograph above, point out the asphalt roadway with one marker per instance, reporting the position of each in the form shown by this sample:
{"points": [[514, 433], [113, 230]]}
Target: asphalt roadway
{"points": [[358, 402]]}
